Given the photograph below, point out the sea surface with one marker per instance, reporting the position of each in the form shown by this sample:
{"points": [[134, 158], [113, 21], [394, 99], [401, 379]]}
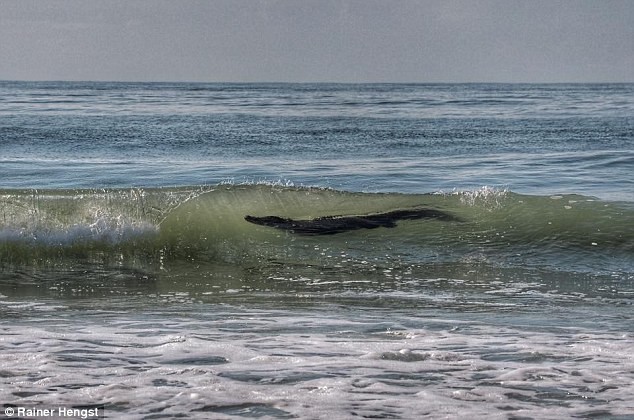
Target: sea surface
{"points": [[130, 279]]}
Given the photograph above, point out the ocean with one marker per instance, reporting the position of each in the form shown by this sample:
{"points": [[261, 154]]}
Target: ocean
{"points": [[131, 280]]}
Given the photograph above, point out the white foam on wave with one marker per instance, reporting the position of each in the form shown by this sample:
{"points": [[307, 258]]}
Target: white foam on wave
{"points": [[103, 228], [231, 362]]}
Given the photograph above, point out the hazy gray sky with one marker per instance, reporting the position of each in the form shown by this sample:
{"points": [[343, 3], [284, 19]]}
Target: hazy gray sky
{"points": [[318, 40]]}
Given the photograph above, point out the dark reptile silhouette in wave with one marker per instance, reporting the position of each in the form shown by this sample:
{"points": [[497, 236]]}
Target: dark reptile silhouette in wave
{"points": [[330, 225]]}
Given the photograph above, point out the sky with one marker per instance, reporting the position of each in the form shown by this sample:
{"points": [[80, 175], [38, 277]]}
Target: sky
{"points": [[318, 40]]}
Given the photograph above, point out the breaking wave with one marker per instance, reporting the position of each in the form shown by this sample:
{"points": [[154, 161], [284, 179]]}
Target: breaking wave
{"points": [[207, 224]]}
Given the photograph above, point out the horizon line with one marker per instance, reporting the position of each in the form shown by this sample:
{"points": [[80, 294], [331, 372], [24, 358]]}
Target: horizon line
{"points": [[316, 82]]}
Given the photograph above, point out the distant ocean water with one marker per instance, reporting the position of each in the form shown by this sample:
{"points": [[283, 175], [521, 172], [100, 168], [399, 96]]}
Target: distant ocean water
{"points": [[129, 277]]}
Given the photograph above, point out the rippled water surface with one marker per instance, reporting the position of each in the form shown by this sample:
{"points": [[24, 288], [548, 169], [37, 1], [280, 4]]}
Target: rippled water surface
{"points": [[130, 278]]}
